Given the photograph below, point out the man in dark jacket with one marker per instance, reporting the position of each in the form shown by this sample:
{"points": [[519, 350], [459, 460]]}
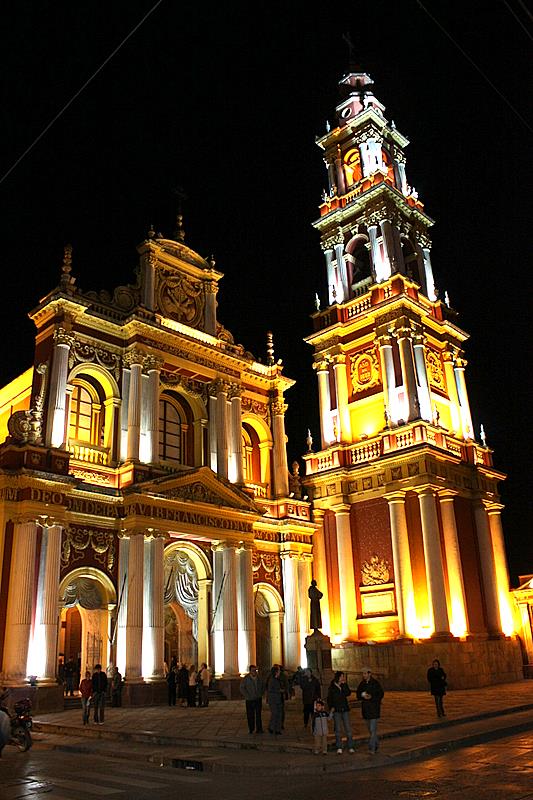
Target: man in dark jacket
{"points": [[99, 680], [252, 689], [370, 693], [310, 692]]}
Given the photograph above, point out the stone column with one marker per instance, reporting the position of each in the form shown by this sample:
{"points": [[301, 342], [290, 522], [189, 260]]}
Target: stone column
{"points": [[347, 594], [222, 430], [126, 375], [122, 603], [154, 614], [291, 628], [229, 611], [332, 283], [494, 512], [212, 432], [217, 601], [281, 467], [459, 622], [408, 372], [375, 254], [401, 556], [20, 603], [433, 562], [204, 585], [320, 573], [149, 262], [391, 250], [236, 465], [324, 399], [388, 377], [464, 405], [57, 393], [134, 619], [343, 277], [424, 397], [341, 387], [341, 183], [48, 600], [488, 569], [428, 271], [134, 406], [211, 289], [451, 388], [246, 609], [152, 409]]}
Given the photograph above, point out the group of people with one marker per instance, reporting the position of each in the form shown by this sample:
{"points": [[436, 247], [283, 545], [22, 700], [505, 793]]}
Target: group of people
{"points": [[278, 688], [94, 689], [188, 685]]}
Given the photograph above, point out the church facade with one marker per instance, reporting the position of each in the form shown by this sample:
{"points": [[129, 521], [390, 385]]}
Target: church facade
{"points": [[146, 507]]}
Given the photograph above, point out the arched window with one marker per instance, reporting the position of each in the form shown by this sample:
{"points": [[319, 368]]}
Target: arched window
{"points": [[250, 455], [352, 167], [173, 431], [85, 415]]}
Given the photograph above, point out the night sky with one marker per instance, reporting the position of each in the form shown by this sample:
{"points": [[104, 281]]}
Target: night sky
{"points": [[227, 103]]}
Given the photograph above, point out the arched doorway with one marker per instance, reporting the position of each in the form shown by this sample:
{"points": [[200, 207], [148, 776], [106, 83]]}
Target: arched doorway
{"points": [[87, 598], [187, 584], [268, 619]]}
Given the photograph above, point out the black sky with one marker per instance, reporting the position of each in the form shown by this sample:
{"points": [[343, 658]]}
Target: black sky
{"points": [[227, 103]]}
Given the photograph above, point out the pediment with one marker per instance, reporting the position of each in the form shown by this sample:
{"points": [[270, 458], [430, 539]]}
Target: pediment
{"points": [[203, 486]]}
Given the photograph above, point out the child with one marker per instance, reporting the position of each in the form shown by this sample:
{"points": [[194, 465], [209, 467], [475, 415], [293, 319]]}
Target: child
{"points": [[320, 727]]}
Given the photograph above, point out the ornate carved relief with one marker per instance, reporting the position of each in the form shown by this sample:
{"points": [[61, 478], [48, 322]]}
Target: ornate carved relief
{"points": [[179, 298], [266, 567], [434, 369], [77, 541], [375, 571], [251, 406], [84, 352]]}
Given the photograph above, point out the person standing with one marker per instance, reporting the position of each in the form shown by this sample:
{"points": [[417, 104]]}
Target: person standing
{"points": [[86, 690], [252, 688], [275, 689], [99, 683], [191, 697], [310, 692], [183, 685], [338, 694], [370, 692], [437, 685], [172, 685], [203, 682], [320, 727], [70, 669], [116, 688]]}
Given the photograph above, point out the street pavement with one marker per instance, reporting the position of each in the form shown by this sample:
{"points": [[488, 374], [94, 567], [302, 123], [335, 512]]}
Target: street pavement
{"points": [[216, 739]]}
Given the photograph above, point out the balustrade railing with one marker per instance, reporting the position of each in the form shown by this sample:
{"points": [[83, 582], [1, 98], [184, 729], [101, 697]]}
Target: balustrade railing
{"points": [[88, 453]]}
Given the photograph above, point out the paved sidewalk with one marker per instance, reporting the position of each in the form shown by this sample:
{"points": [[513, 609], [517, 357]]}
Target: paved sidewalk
{"points": [[217, 737]]}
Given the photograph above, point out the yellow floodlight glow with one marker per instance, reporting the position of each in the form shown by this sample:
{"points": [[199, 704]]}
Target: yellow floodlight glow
{"points": [[506, 615]]}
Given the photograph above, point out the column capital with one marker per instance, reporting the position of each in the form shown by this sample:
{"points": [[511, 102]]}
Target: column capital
{"points": [[278, 407], [287, 555], [321, 366], [447, 494], [460, 363], [218, 386], [338, 359], [384, 340], [133, 358], [423, 491], [493, 507], [341, 508], [395, 497], [235, 391], [153, 363], [64, 337]]}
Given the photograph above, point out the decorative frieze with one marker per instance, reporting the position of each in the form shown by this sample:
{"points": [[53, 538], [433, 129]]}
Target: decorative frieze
{"points": [[77, 541], [84, 352]]}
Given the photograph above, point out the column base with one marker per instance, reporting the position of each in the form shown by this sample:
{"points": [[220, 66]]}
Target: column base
{"points": [[229, 686], [143, 693], [442, 636]]}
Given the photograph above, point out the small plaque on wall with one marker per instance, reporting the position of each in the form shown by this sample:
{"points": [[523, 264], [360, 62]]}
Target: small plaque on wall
{"points": [[378, 603]]}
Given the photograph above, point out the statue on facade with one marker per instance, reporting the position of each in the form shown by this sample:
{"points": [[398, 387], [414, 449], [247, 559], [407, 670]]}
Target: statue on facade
{"points": [[315, 616]]}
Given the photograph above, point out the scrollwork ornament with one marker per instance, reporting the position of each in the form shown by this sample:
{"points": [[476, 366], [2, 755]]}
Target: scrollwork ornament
{"points": [[375, 571]]}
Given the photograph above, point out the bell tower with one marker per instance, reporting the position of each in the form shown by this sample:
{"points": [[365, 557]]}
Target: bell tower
{"points": [[410, 545]]}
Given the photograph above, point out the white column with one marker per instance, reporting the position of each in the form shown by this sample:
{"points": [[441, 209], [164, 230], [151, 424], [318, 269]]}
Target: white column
{"points": [[494, 512], [20, 603], [217, 603], [124, 415], [229, 611], [458, 622], [341, 268], [388, 376], [291, 627], [408, 373], [324, 400], [58, 389], [488, 569], [153, 616], [451, 388], [152, 421], [375, 253], [390, 265], [402, 176], [464, 405], [212, 433], [246, 608], [47, 616], [424, 397], [222, 431], [204, 617], [341, 387], [401, 556], [331, 277], [122, 603], [428, 271], [236, 466], [134, 620], [211, 289], [134, 411], [433, 562], [281, 467], [347, 594]]}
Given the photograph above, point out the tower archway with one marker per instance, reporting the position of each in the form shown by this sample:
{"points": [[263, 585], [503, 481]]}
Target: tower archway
{"points": [[268, 622]]}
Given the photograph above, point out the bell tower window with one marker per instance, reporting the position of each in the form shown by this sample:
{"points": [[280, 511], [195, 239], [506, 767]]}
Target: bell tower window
{"points": [[352, 167], [174, 431]]}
